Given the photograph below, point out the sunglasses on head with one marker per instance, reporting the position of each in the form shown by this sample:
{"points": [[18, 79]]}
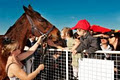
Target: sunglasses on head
{"points": [[103, 37]]}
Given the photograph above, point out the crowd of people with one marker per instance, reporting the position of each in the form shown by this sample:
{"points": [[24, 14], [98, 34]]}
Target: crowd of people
{"points": [[80, 41], [84, 40]]}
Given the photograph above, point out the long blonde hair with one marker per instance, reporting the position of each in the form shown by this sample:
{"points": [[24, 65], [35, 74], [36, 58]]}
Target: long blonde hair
{"points": [[8, 48]]}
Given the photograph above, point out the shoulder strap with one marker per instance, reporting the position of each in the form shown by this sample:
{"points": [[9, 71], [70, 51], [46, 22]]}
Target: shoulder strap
{"points": [[9, 66]]}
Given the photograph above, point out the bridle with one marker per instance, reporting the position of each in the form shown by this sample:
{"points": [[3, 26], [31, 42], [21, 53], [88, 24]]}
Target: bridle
{"points": [[33, 27]]}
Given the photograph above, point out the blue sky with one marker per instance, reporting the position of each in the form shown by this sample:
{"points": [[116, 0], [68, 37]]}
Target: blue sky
{"points": [[63, 13]]}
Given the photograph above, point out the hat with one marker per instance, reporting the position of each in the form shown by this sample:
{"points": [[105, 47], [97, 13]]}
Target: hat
{"points": [[97, 28], [82, 24]]}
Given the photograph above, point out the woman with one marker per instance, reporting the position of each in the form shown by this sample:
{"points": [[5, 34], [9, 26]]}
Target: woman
{"points": [[114, 40], [14, 57], [105, 46]]}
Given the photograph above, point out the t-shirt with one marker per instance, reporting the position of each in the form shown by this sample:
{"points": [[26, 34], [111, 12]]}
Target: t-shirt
{"points": [[70, 43]]}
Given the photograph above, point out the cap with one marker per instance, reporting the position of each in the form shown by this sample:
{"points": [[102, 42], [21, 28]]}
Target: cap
{"points": [[82, 24]]}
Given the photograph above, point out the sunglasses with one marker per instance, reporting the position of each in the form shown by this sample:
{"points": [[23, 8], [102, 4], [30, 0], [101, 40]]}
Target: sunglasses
{"points": [[111, 36], [103, 37]]}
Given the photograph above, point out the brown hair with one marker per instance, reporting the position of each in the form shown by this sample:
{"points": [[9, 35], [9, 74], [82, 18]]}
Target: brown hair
{"points": [[116, 35], [118, 44], [68, 31]]}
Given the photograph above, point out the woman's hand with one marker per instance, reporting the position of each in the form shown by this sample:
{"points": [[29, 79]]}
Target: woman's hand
{"points": [[41, 66], [41, 38]]}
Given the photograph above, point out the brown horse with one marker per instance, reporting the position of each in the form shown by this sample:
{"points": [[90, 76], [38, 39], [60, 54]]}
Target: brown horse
{"points": [[31, 22]]}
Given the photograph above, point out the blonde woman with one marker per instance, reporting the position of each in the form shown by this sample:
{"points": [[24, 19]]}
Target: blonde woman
{"points": [[14, 57]]}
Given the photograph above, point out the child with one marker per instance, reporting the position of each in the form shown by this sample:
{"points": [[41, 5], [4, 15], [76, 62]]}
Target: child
{"points": [[88, 43], [75, 57]]}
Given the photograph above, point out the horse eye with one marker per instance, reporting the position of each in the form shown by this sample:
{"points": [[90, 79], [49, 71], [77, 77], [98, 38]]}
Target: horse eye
{"points": [[41, 20]]}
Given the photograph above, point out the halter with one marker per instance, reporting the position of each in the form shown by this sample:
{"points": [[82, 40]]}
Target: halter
{"points": [[33, 27]]}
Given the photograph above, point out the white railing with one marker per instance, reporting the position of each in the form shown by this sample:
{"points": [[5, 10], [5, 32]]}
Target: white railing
{"points": [[66, 52]]}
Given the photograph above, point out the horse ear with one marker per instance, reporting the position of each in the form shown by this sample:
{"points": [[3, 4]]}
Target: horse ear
{"points": [[27, 11], [30, 7], [25, 8]]}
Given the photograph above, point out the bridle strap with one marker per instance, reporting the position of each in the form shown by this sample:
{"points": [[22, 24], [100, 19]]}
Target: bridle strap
{"points": [[44, 52], [50, 30], [33, 25]]}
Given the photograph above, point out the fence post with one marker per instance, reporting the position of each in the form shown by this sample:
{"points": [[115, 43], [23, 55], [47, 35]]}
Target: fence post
{"points": [[66, 64]]}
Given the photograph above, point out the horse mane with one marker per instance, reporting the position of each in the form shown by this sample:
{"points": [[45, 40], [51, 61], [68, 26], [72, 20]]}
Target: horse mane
{"points": [[9, 29], [13, 26], [19, 30]]}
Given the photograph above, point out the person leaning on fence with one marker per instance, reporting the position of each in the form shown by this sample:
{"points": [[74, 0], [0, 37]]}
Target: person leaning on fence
{"points": [[67, 35], [88, 43], [105, 46], [75, 57], [14, 57], [70, 41], [114, 39]]}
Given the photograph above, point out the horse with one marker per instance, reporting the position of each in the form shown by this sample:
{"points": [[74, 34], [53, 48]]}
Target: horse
{"points": [[31, 22]]}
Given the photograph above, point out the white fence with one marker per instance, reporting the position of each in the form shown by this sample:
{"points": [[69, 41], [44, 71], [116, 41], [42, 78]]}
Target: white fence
{"points": [[96, 68]]}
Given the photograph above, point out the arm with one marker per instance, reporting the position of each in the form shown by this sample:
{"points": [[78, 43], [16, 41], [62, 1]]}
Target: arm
{"points": [[97, 35], [89, 45], [20, 73], [75, 46], [93, 46], [73, 50], [31, 50], [58, 47], [51, 43], [80, 48]]}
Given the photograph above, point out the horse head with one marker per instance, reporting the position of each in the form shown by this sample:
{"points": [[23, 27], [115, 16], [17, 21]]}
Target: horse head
{"points": [[40, 26]]}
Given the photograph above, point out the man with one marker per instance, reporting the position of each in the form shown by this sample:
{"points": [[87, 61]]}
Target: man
{"points": [[29, 61], [88, 43]]}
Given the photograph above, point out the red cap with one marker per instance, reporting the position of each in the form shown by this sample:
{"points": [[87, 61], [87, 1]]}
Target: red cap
{"points": [[82, 24], [97, 28]]}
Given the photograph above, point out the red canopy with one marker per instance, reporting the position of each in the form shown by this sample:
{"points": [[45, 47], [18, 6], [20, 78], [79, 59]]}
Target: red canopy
{"points": [[97, 28]]}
